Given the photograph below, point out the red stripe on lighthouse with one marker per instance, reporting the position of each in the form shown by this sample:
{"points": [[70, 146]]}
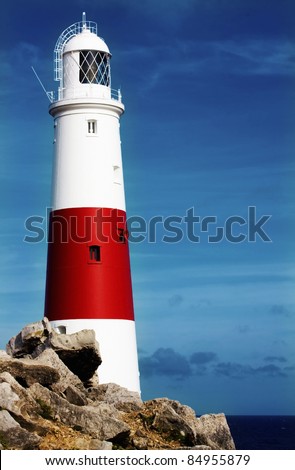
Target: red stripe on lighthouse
{"points": [[88, 266]]}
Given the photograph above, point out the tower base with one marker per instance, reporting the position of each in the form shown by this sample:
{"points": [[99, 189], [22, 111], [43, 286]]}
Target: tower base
{"points": [[117, 343]]}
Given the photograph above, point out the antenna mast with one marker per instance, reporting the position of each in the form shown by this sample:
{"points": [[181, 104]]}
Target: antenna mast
{"points": [[84, 20]]}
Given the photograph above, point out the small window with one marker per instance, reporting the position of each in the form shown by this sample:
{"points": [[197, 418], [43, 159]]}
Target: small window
{"points": [[91, 127], [121, 235], [61, 329], [117, 174], [94, 254]]}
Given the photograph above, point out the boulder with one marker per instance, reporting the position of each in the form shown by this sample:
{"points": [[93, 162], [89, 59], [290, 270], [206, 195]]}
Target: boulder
{"points": [[12, 436], [178, 425], [78, 351], [102, 421], [75, 396], [31, 340], [122, 398], [172, 419], [27, 371], [66, 377], [26, 411], [212, 430], [16, 399]]}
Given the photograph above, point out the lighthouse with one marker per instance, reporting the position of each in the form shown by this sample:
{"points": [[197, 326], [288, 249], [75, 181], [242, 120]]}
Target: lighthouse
{"points": [[88, 280]]}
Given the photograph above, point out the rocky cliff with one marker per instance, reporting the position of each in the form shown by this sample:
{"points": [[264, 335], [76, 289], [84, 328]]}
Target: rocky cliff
{"points": [[50, 398]]}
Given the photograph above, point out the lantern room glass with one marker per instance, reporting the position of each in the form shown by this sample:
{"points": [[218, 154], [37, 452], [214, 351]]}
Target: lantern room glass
{"points": [[94, 67]]}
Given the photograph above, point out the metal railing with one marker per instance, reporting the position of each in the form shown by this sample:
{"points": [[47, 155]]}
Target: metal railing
{"points": [[74, 93], [67, 34]]}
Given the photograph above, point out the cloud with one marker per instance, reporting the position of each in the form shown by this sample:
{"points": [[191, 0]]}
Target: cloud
{"points": [[241, 371], [270, 370], [169, 363], [233, 370], [165, 362], [201, 358], [200, 362], [175, 300], [26, 53], [275, 359], [243, 329], [257, 56], [280, 310], [225, 57]]}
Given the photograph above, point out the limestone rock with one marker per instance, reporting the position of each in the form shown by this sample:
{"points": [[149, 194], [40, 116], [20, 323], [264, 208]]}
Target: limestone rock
{"points": [[140, 443], [171, 418], [101, 445], [167, 424], [27, 371], [79, 352], [74, 396], [201, 447], [4, 355], [12, 436], [102, 422], [16, 399], [94, 444], [50, 399], [32, 338], [213, 430], [122, 398], [66, 377]]}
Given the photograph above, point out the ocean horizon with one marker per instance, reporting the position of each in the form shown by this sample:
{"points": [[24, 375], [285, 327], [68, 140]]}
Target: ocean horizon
{"points": [[262, 432]]}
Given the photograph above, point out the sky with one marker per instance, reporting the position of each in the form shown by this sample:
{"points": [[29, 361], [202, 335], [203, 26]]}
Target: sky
{"points": [[209, 91]]}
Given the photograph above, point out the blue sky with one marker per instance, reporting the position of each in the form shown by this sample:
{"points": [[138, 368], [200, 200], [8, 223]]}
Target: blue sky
{"points": [[209, 92]]}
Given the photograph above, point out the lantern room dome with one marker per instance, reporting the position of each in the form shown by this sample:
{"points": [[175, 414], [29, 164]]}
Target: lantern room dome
{"points": [[86, 40]]}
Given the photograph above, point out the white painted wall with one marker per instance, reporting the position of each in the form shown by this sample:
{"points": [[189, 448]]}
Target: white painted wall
{"points": [[117, 342], [87, 169]]}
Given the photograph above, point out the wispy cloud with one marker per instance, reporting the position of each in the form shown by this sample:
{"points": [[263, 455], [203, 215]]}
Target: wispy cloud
{"points": [[240, 371], [258, 57], [243, 329], [16, 69], [279, 310], [175, 300], [275, 359], [189, 60]]}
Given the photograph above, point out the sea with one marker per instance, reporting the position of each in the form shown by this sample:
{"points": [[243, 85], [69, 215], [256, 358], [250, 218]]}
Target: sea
{"points": [[263, 432]]}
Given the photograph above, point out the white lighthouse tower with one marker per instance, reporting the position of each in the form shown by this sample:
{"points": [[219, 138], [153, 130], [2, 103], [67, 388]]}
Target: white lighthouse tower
{"points": [[88, 283]]}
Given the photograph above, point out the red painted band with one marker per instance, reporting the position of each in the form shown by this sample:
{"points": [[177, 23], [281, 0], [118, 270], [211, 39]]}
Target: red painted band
{"points": [[88, 266]]}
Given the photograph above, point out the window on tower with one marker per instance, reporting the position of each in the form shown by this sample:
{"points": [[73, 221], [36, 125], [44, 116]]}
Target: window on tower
{"points": [[94, 67], [117, 174], [92, 128], [121, 235], [94, 254]]}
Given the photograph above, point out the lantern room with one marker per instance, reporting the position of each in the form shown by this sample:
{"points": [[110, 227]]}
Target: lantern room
{"points": [[82, 63]]}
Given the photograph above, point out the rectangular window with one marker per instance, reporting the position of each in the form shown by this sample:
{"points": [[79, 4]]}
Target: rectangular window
{"points": [[92, 128], [121, 235], [117, 174], [94, 254]]}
